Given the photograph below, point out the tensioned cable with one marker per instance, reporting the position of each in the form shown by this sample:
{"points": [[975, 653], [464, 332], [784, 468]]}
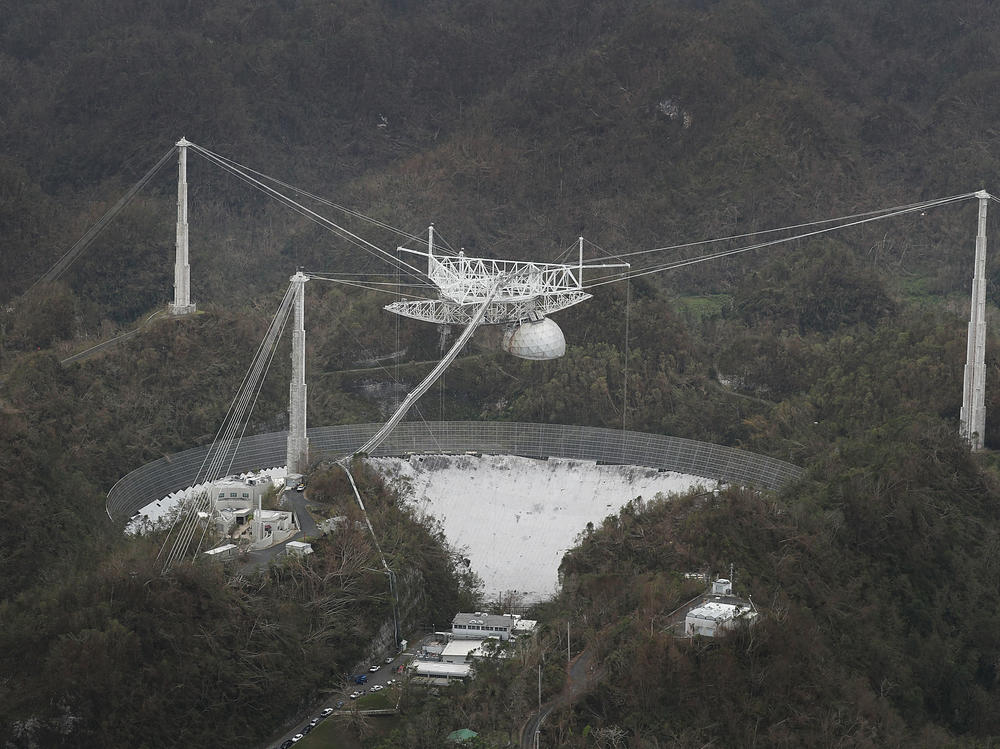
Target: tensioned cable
{"points": [[896, 210], [345, 464], [308, 212], [323, 220], [188, 528], [253, 405], [273, 330], [438, 370], [600, 281], [372, 284], [304, 211], [441, 238], [318, 198], [378, 365], [223, 441], [628, 304], [183, 540], [357, 285], [60, 266]]}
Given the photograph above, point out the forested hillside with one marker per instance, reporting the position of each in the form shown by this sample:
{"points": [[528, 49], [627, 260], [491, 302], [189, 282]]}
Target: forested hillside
{"points": [[515, 127]]}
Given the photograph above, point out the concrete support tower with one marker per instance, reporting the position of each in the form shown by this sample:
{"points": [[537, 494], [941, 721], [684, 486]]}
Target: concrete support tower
{"points": [[298, 443], [182, 270], [973, 418]]}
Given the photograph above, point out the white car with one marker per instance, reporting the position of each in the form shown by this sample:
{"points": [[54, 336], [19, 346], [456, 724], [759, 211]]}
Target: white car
{"points": [[297, 738], [327, 711], [355, 695], [377, 688]]}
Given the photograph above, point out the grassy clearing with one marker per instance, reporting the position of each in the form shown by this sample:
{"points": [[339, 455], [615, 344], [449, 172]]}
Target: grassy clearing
{"points": [[704, 306]]}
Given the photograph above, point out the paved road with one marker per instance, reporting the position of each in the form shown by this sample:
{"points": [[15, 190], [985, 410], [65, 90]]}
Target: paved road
{"points": [[386, 672], [579, 677]]}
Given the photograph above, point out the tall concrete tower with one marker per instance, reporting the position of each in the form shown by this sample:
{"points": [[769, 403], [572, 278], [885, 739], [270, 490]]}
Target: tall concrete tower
{"points": [[182, 270], [298, 443], [973, 418]]}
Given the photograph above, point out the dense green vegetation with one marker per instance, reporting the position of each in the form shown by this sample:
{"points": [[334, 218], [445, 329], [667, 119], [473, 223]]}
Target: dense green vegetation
{"points": [[516, 127]]}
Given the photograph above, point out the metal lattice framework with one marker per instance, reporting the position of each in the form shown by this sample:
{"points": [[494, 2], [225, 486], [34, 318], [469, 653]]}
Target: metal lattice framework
{"points": [[522, 289], [172, 473]]}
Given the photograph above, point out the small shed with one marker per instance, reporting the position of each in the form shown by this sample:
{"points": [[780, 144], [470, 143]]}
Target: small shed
{"points": [[222, 553]]}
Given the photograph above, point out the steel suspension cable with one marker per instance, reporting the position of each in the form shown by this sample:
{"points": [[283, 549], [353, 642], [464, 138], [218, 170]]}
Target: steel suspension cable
{"points": [[303, 210], [673, 265], [92, 233], [220, 449]]}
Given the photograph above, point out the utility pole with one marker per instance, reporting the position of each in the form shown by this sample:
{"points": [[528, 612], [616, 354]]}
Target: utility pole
{"points": [[567, 642], [972, 425], [182, 269], [539, 687], [298, 443]]}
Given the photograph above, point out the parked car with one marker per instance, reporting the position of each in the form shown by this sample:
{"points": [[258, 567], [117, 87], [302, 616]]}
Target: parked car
{"points": [[389, 660], [314, 721], [374, 668], [286, 743], [377, 688], [355, 695], [306, 729], [340, 704], [328, 710], [297, 738], [300, 488]]}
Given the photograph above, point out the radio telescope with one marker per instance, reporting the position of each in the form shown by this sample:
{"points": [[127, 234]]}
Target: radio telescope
{"points": [[517, 295]]}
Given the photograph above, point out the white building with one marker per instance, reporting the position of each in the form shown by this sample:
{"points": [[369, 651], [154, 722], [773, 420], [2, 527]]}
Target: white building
{"points": [[523, 626], [478, 626], [298, 548], [464, 651], [433, 670], [235, 492], [719, 611]]}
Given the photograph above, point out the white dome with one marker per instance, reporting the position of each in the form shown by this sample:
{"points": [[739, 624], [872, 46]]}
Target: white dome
{"points": [[541, 339]]}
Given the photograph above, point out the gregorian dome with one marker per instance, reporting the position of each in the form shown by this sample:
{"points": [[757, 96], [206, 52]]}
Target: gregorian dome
{"points": [[535, 339]]}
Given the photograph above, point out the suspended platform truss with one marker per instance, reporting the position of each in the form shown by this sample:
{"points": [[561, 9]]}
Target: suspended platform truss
{"points": [[521, 290]]}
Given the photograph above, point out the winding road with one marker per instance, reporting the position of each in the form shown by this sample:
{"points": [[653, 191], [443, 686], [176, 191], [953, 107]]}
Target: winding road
{"points": [[579, 676]]}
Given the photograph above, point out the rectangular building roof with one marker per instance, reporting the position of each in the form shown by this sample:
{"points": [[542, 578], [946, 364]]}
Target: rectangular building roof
{"points": [[461, 648], [433, 668], [221, 549], [481, 619], [720, 612]]}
